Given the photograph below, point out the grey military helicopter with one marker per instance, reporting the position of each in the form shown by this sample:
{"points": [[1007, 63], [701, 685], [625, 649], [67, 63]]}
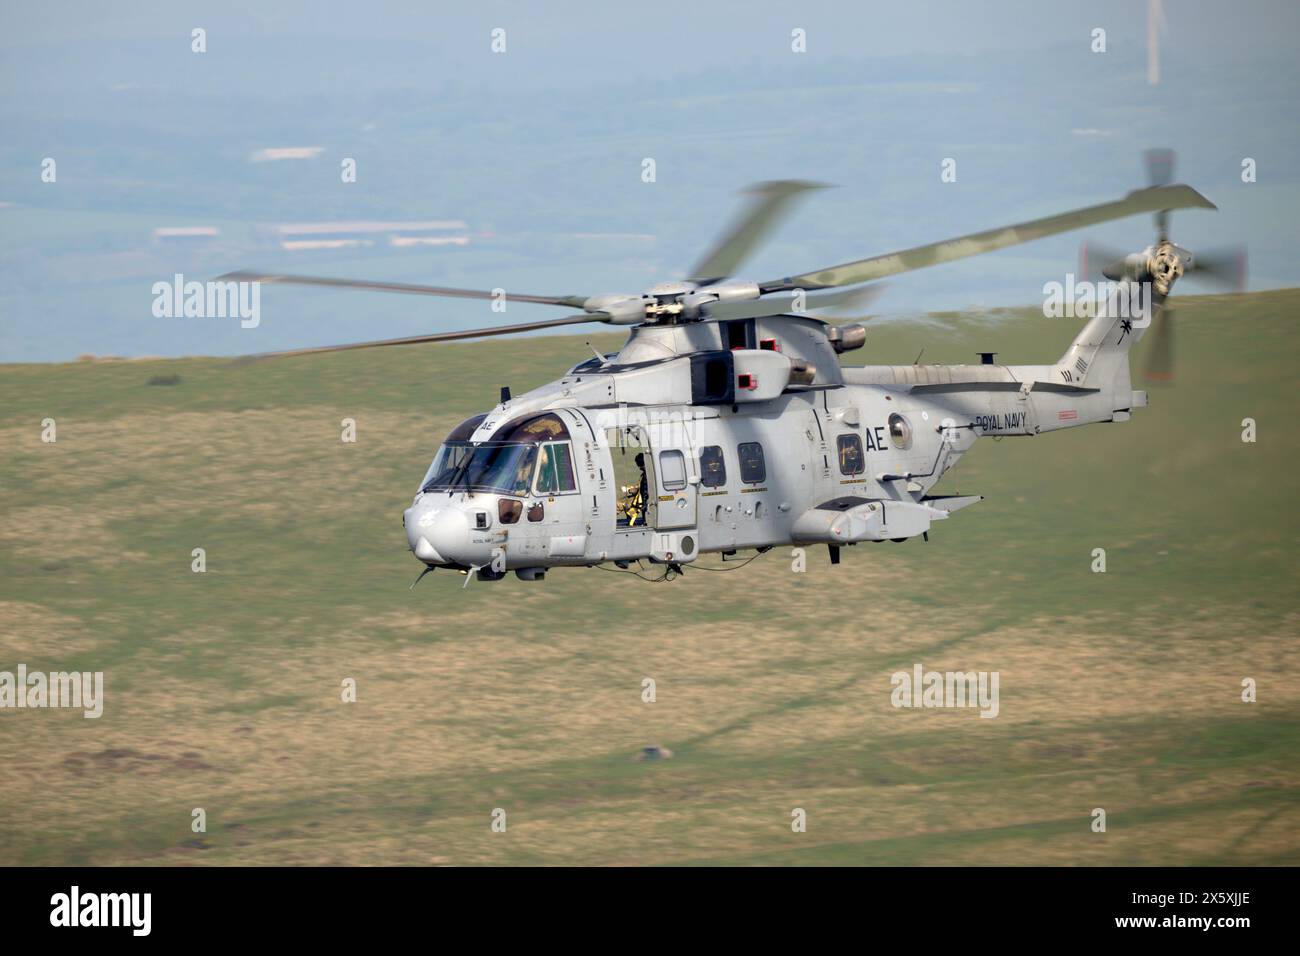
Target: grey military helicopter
{"points": [[726, 422]]}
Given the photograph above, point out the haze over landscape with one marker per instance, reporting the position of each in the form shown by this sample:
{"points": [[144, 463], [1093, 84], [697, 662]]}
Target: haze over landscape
{"points": [[529, 162]]}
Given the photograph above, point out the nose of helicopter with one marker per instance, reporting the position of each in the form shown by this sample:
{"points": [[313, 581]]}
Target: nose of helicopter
{"points": [[438, 532]]}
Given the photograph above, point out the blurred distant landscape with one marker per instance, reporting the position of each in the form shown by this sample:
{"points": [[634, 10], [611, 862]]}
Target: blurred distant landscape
{"points": [[530, 162]]}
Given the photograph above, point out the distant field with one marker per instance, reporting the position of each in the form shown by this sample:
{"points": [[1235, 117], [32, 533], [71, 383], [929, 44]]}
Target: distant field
{"points": [[1118, 690]]}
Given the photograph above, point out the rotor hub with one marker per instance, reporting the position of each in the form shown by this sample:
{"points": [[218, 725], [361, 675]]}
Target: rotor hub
{"points": [[1166, 267]]}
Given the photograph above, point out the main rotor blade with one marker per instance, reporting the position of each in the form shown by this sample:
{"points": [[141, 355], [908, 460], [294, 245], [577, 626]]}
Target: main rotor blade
{"points": [[877, 267], [756, 308], [571, 301], [446, 336], [771, 203]]}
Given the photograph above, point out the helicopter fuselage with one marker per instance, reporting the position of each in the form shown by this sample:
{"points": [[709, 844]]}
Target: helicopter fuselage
{"points": [[742, 447]]}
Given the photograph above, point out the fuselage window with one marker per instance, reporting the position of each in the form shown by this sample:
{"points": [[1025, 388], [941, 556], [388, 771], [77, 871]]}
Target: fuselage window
{"points": [[713, 469], [555, 469], [753, 470], [672, 470], [851, 458]]}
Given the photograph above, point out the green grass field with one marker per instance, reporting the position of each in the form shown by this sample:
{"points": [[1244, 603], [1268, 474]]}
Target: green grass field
{"points": [[223, 690]]}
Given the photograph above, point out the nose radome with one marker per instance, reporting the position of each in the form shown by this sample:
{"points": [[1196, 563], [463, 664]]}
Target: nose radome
{"points": [[438, 531], [410, 518], [448, 531], [418, 521]]}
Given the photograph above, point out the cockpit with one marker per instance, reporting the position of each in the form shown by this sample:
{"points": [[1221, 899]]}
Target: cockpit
{"points": [[523, 457]]}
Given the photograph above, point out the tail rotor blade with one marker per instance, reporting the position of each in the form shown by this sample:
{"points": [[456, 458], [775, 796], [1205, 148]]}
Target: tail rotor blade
{"points": [[1160, 172], [1162, 225], [1096, 261], [1160, 166], [1160, 354], [1224, 267]]}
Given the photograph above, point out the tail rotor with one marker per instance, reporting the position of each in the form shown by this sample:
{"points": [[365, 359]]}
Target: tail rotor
{"points": [[1160, 266]]}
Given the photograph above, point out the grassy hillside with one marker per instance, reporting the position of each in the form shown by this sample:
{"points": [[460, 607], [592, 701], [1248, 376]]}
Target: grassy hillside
{"points": [[1118, 690]]}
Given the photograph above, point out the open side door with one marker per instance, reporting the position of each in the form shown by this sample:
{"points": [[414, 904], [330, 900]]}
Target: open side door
{"points": [[675, 485], [625, 444]]}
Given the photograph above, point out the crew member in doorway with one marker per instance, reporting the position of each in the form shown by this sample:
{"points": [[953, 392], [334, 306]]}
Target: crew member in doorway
{"points": [[634, 506]]}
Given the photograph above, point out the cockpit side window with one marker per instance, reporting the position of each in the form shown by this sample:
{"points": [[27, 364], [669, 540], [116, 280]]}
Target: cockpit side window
{"points": [[555, 469], [523, 470]]}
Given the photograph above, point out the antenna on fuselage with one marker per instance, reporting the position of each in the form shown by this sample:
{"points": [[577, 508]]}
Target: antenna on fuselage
{"points": [[427, 569]]}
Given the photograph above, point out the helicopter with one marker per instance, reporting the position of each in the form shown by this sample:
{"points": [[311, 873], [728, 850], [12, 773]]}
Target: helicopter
{"points": [[726, 422]]}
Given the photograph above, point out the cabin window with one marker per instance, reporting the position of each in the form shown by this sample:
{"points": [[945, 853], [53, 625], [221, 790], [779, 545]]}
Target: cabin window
{"points": [[672, 470], [900, 432], [753, 470], [852, 461], [713, 469], [555, 470]]}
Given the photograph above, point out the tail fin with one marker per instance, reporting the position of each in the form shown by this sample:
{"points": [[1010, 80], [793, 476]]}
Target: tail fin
{"points": [[1099, 355]]}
